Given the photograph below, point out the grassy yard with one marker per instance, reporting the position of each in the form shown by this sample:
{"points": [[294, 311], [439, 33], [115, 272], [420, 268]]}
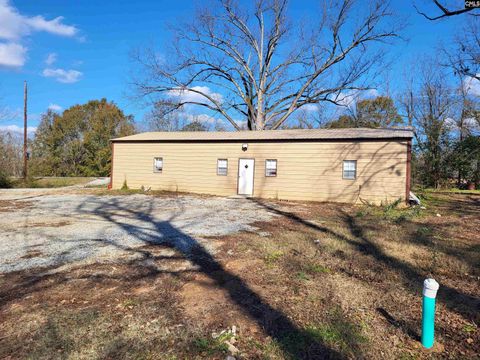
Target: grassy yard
{"points": [[49, 182], [321, 280], [451, 191]]}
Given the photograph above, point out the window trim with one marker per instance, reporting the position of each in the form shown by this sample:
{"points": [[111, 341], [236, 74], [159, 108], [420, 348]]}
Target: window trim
{"points": [[226, 173], [343, 170], [155, 168], [276, 167]]}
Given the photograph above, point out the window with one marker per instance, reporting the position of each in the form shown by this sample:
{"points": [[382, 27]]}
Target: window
{"points": [[350, 169], [158, 164], [270, 167], [222, 167]]}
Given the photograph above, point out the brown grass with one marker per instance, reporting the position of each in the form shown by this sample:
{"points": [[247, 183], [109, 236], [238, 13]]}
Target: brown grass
{"points": [[12, 205], [32, 254], [48, 224], [349, 278], [50, 182]]}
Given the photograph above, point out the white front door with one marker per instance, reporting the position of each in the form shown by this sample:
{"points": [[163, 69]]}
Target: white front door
{"points": [[245, 176]]}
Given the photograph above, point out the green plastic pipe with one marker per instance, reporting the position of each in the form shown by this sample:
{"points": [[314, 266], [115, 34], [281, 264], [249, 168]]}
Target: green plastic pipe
{"points": [[430, 288]]}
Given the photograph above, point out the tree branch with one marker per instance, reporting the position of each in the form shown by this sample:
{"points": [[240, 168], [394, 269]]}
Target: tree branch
{"points": [[445, 11]]}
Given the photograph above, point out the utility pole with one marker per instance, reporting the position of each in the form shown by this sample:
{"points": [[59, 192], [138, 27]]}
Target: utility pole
{"points": [[25, 137]]}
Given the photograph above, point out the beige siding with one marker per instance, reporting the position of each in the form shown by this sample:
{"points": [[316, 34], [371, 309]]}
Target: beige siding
{"points": [[306, 170]]}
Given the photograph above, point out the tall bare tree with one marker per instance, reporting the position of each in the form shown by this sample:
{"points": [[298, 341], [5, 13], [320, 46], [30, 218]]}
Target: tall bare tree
{"points": [[432, 107], [265, 65], [10, 155], [465, 123]]}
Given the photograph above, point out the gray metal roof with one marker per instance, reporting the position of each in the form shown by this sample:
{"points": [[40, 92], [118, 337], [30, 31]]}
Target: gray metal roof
{"points": [[297, 134]]}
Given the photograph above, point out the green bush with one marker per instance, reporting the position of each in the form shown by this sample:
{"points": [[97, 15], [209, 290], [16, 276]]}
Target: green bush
{"points": [[4, 181]]}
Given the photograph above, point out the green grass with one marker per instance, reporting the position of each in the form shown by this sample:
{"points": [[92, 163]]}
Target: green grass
{"points": [[302, 276], [125, 185], [105, 191], [392, 212], [337, 333], [470, 328], [308, 270], [316, 269], [451, 191], [272, 257], [62, 332], [129, 303], [210, 346]]}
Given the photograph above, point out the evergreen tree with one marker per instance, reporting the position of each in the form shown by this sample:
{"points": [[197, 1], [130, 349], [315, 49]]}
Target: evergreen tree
{"points": [[76, 143]]}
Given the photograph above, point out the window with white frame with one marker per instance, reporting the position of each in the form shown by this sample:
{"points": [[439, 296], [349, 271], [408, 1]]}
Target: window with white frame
{"points": [[222, 167], [158, 164], [350, 169], [270, 167]]}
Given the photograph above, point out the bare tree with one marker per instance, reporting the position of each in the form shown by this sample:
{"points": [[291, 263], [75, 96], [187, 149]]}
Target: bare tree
{"points": [[307, 118], [406, 99], [10, 153], [466, 114], [265, 65], [432, 110], [160, 118], [445, 12], [4, 113]]}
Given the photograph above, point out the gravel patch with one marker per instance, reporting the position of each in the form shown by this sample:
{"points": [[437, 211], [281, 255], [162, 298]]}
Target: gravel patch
{"points": [[59, 229], [98, 182]]}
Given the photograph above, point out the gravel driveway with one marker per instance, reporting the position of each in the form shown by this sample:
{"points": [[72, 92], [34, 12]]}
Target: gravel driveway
{"points": [[55, 228]]}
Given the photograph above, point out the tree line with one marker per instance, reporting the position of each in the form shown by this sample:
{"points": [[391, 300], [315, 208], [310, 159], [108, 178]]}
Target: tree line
{"points": [[73, 143], [255, 67], [259, 68]]}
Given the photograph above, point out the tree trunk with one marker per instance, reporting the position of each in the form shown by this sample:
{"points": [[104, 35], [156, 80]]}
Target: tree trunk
{"points": [[260, 120]]}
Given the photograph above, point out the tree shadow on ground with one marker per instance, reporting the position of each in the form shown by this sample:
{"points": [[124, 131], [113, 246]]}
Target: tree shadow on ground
{"points": [[142, 224], [465, 305], [399, 324]]}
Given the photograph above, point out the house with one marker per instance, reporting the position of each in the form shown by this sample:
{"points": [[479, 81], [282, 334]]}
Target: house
{"points": [[344, 165]]}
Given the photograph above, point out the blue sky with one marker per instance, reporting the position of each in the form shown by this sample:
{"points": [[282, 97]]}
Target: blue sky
{"points": [[84, 54]]}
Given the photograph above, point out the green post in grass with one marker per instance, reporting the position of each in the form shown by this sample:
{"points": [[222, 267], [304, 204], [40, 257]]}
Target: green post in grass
{"points": [[430, 288]]}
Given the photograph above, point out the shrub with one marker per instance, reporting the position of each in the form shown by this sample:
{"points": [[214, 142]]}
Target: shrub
{"points": [[4, 180]]}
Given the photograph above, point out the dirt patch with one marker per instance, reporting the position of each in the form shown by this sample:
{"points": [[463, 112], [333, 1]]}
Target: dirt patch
{"points": [[13, 205], [90, 310], [204, 301], [31, 254], [48, 224], [210, 304], [317, 281]]}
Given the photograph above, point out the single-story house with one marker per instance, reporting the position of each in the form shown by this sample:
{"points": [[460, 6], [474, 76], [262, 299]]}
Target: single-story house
{"points": [[345, 165]]}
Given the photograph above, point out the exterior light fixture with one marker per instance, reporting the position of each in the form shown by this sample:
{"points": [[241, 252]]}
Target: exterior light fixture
{"points": [[244, 147]]}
